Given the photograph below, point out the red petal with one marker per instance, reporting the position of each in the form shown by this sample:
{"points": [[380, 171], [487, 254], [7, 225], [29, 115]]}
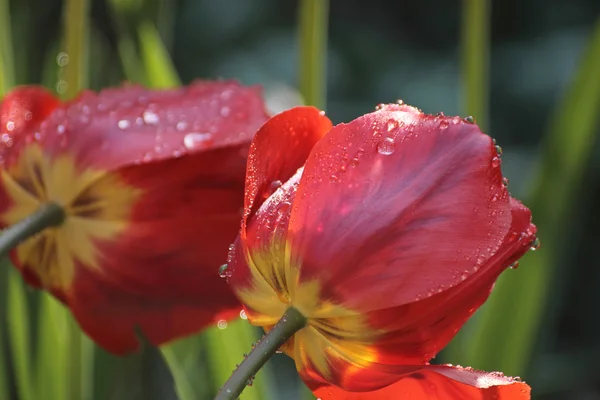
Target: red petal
{"points": [[162, 272], [21, 110], [279, 148], [411, 204], [436, 382], [131, 124]]}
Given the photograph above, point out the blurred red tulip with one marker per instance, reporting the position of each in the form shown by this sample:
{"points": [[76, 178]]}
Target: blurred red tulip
{"points": [[152, 185], [386, 233]]}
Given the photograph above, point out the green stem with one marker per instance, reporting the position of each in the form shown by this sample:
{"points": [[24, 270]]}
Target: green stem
{"points": [[7, 76], [76, 46], [290, 323], [46, 216], [475, 59], [313, 51]]}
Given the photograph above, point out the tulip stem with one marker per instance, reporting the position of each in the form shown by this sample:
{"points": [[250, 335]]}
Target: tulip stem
{"points": [[291, 322], [46, 216]]}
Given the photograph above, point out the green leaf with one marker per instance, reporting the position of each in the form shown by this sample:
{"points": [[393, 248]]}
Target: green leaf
{"points": [[156, 60], [185, 359], [19, 331]]}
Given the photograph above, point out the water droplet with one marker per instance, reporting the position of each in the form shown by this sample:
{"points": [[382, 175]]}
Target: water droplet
{"points": [[150, 117], [222, 324], [196, 140], [62, 59], [498, 150], [386, 146], [399, 101], [273, 187], [536, 244], [443, 124], [61, 87], [123, 124], [469, 119], [283, 207], [379, 107], [391, 125], [505, 181], [439, 114], [243, 315], [224, 271], [496, 162], [225, 111], [514, 265], [181, 125], [60, 129], [333, 178], [10, 126]]}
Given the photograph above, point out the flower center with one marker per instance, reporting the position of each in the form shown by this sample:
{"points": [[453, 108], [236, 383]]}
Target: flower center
{"points": [[97, 207]]}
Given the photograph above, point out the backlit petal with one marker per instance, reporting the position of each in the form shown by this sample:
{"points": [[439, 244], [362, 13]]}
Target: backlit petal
{"points": [[401, 203]]}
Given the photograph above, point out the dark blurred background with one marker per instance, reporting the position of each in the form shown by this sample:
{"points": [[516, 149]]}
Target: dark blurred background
{"points": [[380, 51]]}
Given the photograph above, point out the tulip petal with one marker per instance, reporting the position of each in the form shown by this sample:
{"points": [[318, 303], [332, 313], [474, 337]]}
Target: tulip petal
{"points": [[397, 186], [131, 124], [21, 111], [161, 272], [437, 382], [279, 148]]}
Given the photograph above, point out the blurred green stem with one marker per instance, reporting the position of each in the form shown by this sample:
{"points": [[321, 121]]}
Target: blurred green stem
{"points": [[76, 17], [475, 44], [46, 216], [7, 78], [290, 323], [313, 51], [80, 356]]}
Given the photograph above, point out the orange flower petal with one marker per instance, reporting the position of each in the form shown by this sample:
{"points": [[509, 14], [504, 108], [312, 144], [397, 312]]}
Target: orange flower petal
{"points": [[436, 382]]}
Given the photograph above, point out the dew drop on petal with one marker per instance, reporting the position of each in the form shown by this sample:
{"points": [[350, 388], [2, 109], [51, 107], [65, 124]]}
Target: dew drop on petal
{"points": [[443, 124], [195, 140], [392, 124], [181, 125], [386, 146], [150, 118], [225, 111], [10, 126], [495, 162], [498, 150], [514, 265], [224, 271], [469, 119], [505, 182], [123, 124], [536, 244]]}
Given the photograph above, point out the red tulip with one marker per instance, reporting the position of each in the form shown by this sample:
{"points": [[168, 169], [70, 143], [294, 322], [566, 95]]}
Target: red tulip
{"points": [[387, 234], [151, 182]]}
